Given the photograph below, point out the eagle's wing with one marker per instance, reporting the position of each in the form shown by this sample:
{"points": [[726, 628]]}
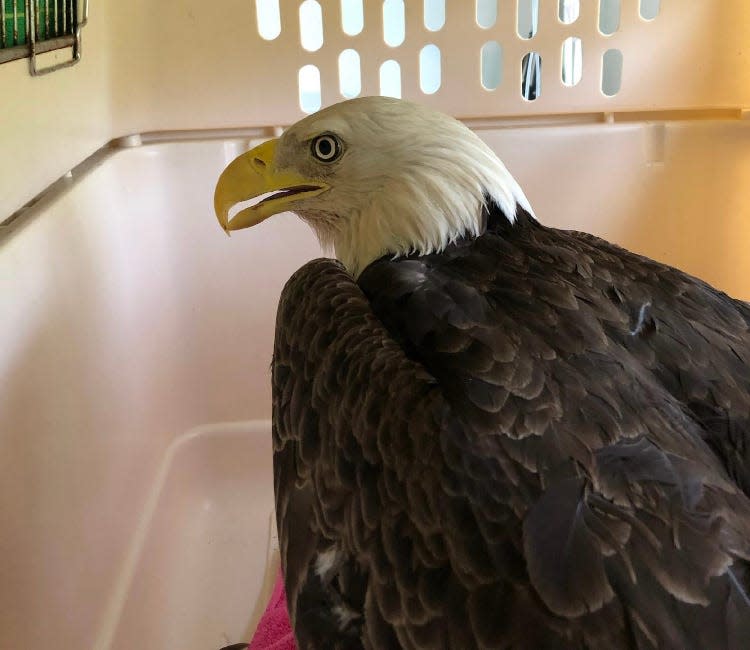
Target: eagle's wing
{"points": [[537, 345], [694, 339], [348, 408], [451, 474]]}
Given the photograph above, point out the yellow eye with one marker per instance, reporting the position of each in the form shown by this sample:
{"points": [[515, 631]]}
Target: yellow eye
{"points": [[326, 148]]}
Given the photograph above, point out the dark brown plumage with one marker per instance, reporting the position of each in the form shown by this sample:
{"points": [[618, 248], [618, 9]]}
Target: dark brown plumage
{"points": [[534, 439]]}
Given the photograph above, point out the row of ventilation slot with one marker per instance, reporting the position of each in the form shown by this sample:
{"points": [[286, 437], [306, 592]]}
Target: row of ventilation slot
{"points": [[394, 21], [350, 83]]}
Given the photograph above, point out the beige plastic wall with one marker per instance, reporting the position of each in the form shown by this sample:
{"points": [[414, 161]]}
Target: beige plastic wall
{"points": [[177, 64], [127, 318], [694, 55]]}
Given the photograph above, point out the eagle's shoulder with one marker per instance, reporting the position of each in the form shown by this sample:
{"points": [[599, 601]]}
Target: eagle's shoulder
{"points": [[580, 311], [572, 364], [458, 430]]}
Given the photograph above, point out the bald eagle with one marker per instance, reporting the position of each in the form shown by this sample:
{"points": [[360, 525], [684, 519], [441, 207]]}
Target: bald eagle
{"points": [[489, 433]]}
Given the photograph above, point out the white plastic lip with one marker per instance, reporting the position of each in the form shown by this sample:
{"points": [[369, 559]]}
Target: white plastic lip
{"points": [[80, 171], [70, 178]]}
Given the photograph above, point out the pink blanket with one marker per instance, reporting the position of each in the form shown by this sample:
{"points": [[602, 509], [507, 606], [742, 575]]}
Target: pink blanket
{"points": [[274, 631]]}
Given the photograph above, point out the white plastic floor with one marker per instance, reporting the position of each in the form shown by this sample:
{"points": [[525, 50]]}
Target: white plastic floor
{"points": [[202, 563]]}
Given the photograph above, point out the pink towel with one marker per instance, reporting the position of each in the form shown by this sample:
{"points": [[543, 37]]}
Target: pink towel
{"points": [[274, 631]]}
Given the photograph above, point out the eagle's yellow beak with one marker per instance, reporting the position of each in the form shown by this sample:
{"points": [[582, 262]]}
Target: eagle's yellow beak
{"points": [[253, 174]]}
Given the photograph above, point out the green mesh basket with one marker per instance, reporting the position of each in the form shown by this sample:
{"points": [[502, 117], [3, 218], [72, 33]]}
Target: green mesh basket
{"points": [[53, 18], [15, 27]]}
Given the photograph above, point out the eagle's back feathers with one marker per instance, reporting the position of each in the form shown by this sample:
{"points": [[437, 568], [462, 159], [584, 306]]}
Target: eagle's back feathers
{"points": [[534, 439]]}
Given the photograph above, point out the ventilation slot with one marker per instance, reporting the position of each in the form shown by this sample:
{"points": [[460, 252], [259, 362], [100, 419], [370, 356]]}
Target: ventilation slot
{"points": [[531, 76], [611, 72], [486, 13], [309, 88], [429, 69], [528, 18], [649, 9], [572, 61], [350, 81], [609, 16], [352, 17], [434, 15], [269, 19], [394, 25], [492, 65], [311, 25], [390, 79], [568, 11]]}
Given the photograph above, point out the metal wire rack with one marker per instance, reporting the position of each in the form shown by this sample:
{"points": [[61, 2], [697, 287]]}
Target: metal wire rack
{"points": [[29, 28]]}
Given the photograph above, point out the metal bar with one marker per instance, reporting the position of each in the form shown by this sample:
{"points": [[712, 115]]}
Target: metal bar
{"points": [[22, 51], [30, 20], [15, 22], [70, 18], [33, 4], [2, 24], [69, 15]]}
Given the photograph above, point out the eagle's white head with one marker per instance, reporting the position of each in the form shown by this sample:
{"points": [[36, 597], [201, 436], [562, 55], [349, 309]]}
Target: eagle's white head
{"points": [[372, 176]]}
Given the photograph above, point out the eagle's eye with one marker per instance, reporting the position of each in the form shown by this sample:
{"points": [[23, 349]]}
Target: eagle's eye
{"points": [[326, 148]]}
